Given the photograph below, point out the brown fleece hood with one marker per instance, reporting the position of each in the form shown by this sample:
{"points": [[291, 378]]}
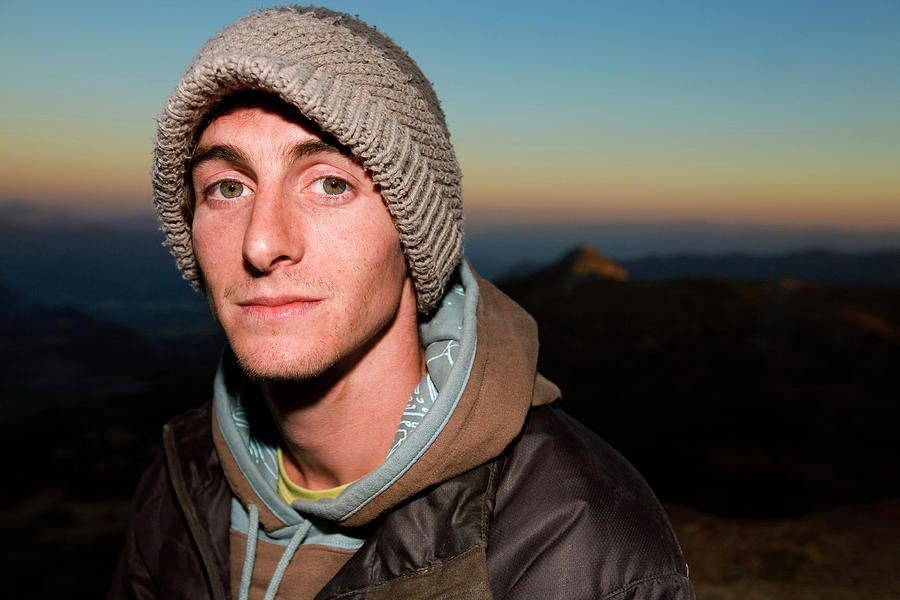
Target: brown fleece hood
{"points": [[503, 384]]}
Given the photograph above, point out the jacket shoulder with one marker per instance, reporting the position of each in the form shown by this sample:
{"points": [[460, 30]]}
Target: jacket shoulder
{"points": [[161, 557], [573, 519]]}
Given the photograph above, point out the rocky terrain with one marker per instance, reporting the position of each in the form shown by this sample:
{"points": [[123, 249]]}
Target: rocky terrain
{"points": [[840, 553]]}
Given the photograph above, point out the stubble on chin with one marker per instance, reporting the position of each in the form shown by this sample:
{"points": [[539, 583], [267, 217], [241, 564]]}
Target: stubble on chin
{"points": [[275, 363], [296, 359], [275, 360]]}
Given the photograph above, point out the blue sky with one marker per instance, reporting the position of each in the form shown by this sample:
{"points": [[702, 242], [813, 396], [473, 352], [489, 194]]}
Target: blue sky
{"points": [[737, 112]]}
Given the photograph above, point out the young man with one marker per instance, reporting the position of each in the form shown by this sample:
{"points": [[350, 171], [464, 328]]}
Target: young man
{"points": [[378, 428]]}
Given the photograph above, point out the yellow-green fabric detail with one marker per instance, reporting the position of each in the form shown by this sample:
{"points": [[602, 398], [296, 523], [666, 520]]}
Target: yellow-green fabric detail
{"points": [[290, 491]]}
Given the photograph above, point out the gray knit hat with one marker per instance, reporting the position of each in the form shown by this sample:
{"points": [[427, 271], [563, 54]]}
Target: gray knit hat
{"points": [[356, 85]]}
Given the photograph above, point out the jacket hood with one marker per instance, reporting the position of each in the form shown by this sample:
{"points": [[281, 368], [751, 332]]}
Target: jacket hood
{"points": [[502, 384], [481, 352]]}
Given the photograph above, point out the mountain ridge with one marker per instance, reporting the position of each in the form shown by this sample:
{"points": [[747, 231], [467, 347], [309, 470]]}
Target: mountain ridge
{"points": [[583, 261]]}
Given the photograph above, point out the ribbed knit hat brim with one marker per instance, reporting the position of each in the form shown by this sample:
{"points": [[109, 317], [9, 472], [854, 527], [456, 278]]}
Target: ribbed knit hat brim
{"points": [[356, 85]]}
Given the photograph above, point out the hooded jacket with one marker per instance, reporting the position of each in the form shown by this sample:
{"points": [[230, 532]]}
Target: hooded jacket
{"points": [[495, 494]]}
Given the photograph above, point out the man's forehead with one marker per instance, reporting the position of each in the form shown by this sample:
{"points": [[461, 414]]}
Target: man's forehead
{"points": [[248, 104], [257, 125], [259, 120]]}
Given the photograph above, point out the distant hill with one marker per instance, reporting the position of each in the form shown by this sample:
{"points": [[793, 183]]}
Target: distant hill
{"points": [[122, 276], [499, 247], [581, 262], [772, 395], [880, 269], [62, 359], [823, 266]]}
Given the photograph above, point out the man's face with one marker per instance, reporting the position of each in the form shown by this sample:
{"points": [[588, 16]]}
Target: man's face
{"points": [[301, 260]]}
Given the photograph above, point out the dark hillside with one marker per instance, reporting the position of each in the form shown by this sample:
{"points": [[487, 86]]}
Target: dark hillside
{"points": [[870, 268], [767, 397], [82, 403]]}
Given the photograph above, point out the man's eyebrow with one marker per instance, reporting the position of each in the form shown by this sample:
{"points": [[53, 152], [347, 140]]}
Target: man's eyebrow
{"points": [[229, 154], [310, 147], [234, 156]]}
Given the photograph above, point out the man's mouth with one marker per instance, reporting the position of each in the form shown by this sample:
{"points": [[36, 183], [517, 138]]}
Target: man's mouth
{"points": [[269, 308]]}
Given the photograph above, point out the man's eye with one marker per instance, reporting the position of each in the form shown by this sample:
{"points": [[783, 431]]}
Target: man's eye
{"points": [[333, 186], [231, 189]]}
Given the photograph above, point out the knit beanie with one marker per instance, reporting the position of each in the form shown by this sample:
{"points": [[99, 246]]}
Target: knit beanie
{"points": [[355, 84]]}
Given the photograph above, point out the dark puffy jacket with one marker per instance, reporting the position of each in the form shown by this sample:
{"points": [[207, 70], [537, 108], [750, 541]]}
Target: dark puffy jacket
{"points": [[513, 499], [559, 514]]}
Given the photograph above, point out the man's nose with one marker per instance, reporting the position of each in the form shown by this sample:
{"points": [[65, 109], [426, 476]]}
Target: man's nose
{"points": [[271, 239]]}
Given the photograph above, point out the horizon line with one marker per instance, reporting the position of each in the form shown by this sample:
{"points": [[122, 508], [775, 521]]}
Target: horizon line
{"points": [[478, 220]]}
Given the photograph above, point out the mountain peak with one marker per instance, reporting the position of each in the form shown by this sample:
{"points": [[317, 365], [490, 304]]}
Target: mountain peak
{"points": [[585, 261]]}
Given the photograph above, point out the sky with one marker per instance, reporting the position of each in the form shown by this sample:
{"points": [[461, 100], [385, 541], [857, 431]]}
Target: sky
{"points": [[767, 113]]}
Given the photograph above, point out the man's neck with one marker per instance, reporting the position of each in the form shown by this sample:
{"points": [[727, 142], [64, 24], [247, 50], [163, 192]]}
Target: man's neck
{"points": [[339, 426]]}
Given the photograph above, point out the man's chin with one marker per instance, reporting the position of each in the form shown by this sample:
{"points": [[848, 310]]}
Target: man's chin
{"points": [[272, 365]]}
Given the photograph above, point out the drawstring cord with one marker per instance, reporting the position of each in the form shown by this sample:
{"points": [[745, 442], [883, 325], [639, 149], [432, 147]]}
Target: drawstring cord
{"points": [[295, 542], [250, 555]]}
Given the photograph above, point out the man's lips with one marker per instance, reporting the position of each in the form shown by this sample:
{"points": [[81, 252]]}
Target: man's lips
{"points": [[276, 300], [277, 307]]}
